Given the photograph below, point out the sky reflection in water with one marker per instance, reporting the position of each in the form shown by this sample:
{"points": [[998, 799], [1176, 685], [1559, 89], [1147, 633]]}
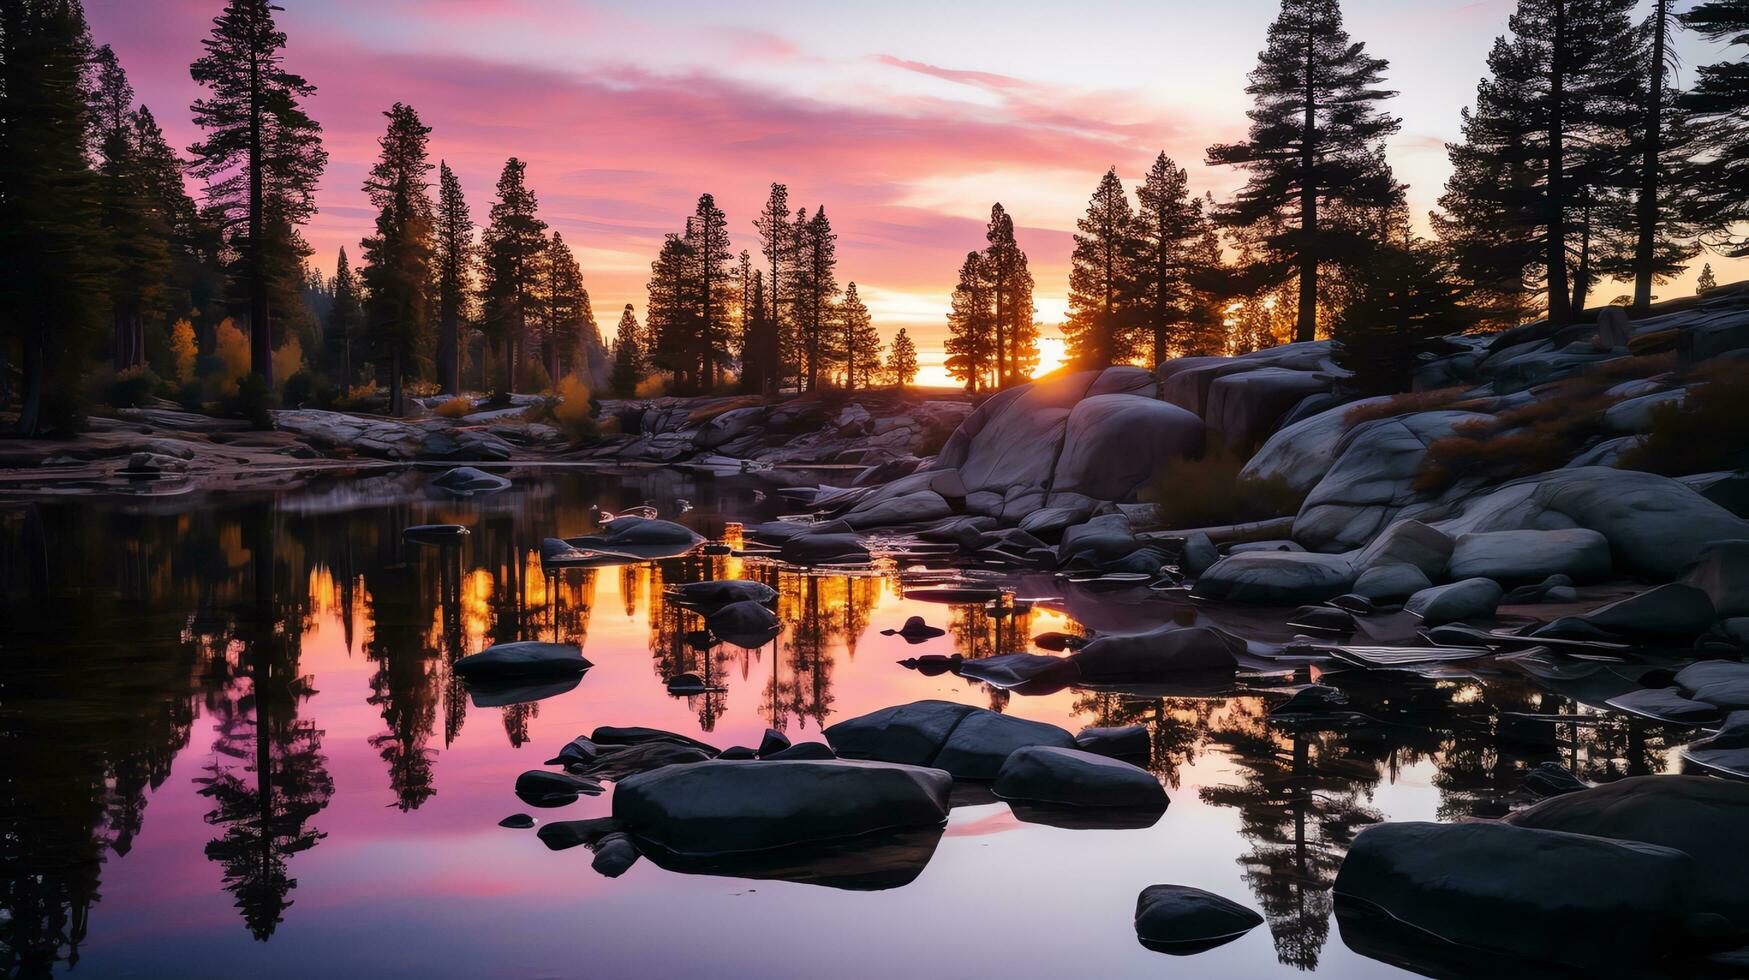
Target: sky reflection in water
{"points": [[234, 747]]}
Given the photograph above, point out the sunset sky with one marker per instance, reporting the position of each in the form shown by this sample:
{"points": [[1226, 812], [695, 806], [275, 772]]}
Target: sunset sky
{"points": [[906, 120]]}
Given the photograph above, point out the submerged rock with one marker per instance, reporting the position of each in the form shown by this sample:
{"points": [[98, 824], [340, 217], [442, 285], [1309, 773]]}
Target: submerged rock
{"points": [[439, 534], [524, 658], [1125, 742], [1024, 673], [1667, 612], [821, 549], [1392, 582], [726, 807], [1539, 895], [638, 735], [1071, 777], [614, 855], [916, 630], [517, 821], [537, 787], [801, 751], [565, 834], [1161, 653], [772, 741], [1181, 920]]}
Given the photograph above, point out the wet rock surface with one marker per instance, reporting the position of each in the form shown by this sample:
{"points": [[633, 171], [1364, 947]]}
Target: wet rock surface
{"points": [[1182, 920]]}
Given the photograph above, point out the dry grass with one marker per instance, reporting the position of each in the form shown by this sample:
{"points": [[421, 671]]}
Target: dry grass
{"points": [[454, 408], [1707, 432], [1208, 492], [1407, 403]]}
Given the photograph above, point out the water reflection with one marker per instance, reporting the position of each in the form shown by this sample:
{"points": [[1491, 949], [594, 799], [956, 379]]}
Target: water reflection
{"points": [[135, 635]]}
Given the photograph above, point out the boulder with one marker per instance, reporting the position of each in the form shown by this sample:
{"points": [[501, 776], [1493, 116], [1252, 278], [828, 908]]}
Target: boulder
{"points": [[1409, 542], [538, 787], [1392, 582], [466, 481], [1721, 683], [638, 735], [772, 742], [912, 508], [970, 743], [1158, 654], [1071, 777], [614, 855], [1372, 479], [1025, 673], [1472, 598], [1634, 415], [1703, 817], [1722, 572], [629, 533], [1114, 444], [803, 750], [517, 821], [1123, 742], [1556, 898], [1519, 557], [747, 624], [1245, 407], [565, 834], [1013, 438], [1198, 555], [1104, 538], [1300, 454], [1667, 612], [522, 659], [1667, 704], [1276, 577], [1655, 525], [707, 597], [1182, 920], [729, 807], [1725, 752]]}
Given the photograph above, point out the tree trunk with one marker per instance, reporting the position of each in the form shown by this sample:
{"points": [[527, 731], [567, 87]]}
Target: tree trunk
{"points": [[1555, 248], [1645, 248], [1582, 272], [1306, 327]]}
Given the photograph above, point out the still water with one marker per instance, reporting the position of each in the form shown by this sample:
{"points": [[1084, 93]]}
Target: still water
{"points": [[231, 745]]}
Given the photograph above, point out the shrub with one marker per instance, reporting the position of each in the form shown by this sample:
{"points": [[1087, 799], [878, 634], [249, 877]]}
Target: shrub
{"points": [[1707, 431], [455, 408], [654, 386], [183, 350], [288, 361], [232, 353], [1208, 492], [253, 401], [131, 388], [572, 413], [306, 389], [1406, 403]]}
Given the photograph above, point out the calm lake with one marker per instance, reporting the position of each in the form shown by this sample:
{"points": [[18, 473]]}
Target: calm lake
{"points": [[232, 745]]}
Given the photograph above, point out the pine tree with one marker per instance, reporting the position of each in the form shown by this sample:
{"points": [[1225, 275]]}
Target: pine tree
{"points": [[861, 341], [1314, 130], [776, 244], [397, 270], [454, 262], [345, 322], [565, 314], [1204, 330], [671, 315], [261, 158], [1548, 151], [902, 362], [971, 326], [710, 230], [761, 349], [1403, 301], [512, 247], [138, 229], [628, 359], [1102, 282], [1015, 337], [51, 236], [814, 285], [1706, 281], [1170, 232], [1719, 102], [744, 310]]}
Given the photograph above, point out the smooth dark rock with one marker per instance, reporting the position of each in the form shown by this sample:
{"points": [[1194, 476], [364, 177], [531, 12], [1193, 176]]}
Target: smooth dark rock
{"points": [[1667, 612], [1323, 618], [1276, 577], [638, 532], [687, 684], [1722, 572], [772, 741], [824, 548], [723, 807], [1721, 683], [537, 787], [1024, 673], [802, 751], [1540, 895], [609, 735], [1519, 557], [1164, 652], [564, 834], [1552, 779], [523, 659], [614, 855], [933, 664], [1667, 705], [1472, 598], [621, 761], [499, 692], [1071, 777], [916, 630], [1703, 817], [466, 481], [1316, 700], [746, 624], [869, 862], [1181, 920], [517, 821], [439, 534], [1124, 742], [735, 752], [970, 743], [708, 597], [1058, 642], [578, 750]]}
